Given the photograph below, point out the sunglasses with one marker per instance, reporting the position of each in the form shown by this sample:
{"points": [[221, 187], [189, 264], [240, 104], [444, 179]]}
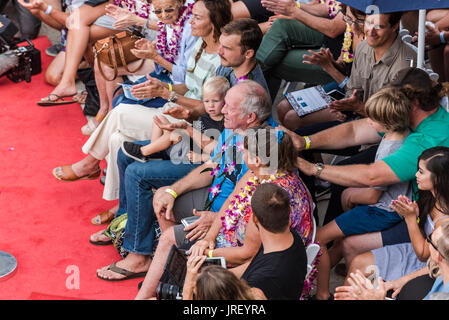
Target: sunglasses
{"points": [[429, 240], [168, 10]]}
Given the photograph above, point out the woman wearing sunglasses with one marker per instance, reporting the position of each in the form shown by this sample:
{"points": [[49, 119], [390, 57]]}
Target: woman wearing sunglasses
{"points": [[402, 262]]}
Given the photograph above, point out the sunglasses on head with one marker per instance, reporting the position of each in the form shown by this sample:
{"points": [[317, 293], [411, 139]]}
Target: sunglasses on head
{"points": [[168, 10]]}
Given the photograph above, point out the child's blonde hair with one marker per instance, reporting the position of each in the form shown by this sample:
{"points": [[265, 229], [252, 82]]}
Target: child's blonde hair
{"points": [[216, 84], [391, 108]]}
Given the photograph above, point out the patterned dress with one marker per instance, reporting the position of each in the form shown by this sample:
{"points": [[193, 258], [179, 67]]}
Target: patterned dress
{"points": [[300, 216]]}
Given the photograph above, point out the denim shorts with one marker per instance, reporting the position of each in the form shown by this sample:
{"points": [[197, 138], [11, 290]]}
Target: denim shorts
{"points": [[365, 219]]}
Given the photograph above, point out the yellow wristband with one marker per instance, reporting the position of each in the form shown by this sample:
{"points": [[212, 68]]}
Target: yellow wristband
{"points": [[210, 255], [170, 87], [172, 192], [298, 4], [307, 138]]}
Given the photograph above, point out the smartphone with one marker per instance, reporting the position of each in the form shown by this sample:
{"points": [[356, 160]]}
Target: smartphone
{"points": [[220, 261], [336, 95], [189, 220]]}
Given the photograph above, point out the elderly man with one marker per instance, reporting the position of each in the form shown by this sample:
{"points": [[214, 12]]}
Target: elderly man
{"points": [[247, 105], [133, 122]]}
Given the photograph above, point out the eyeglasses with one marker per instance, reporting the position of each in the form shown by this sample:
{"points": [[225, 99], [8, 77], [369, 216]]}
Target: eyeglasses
{"points": [[351, 21], [369, 24], [168, 10], [429, 240]]}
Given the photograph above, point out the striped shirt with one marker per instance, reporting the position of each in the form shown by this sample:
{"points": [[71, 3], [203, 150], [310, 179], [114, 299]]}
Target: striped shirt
{"points": [[206, 67]]}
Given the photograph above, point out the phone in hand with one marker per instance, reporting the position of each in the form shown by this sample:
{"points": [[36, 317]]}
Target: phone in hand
{"points": [[336, 95], [188, 221]]}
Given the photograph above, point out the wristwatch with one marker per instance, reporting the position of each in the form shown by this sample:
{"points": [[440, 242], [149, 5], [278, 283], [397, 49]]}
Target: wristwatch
{"points": [[318, 168]]}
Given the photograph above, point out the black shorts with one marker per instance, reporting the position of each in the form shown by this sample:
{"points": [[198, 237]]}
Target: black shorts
{"points": [[257, 11]]}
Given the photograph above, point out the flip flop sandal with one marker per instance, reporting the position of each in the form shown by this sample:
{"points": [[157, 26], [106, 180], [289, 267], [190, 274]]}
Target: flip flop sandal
{"points": [[128, 274], [80, 97], [101, 243], [56, 102], [103, 218], [70, 176]]}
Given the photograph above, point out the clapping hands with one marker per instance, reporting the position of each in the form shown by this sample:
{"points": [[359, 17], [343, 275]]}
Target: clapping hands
{"points": [[404, 207], [144, 49]]}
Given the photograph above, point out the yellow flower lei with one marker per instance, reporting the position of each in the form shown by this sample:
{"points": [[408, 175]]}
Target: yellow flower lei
{"points": [[348, 57]]}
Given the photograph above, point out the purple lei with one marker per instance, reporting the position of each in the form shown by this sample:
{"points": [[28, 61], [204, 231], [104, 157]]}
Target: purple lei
{"points": [[131, 5], [168, 48]]}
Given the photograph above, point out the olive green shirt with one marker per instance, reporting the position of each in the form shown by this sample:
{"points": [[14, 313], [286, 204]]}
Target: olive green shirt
{"points": [[369, 76]]}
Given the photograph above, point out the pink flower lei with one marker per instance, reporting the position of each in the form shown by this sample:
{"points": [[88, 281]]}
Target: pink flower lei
{"points": [[143, 11], [241, 205], [168, 48]]}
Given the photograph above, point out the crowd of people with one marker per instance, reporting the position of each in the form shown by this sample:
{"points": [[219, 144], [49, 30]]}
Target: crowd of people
{"points": [[202, 141]]}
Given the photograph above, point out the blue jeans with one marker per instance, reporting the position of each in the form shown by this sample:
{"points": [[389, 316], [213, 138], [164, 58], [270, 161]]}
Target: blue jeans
{"points": [[136, 196]]}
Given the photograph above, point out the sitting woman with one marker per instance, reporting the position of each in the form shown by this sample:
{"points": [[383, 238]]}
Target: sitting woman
{"points": [[421, 218], [85, 25], [232, 234], [165, 58], [338, 69], [360, 288], [133, 122]]}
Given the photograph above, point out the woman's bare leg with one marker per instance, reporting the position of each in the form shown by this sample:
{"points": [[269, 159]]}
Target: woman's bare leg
{"points": [[53, 74], [77, 41]]}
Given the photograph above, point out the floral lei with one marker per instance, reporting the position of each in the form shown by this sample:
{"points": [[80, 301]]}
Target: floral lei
{"points": [[143, 11], [168, 48], [348, 57], [241, 205], [334, 7]]}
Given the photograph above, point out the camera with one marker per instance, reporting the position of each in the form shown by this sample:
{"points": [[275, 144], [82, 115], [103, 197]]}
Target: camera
{"points": [[17, 63], [172, 281]]}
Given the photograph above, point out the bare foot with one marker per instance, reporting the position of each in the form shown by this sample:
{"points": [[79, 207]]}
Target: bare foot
{"points": [[134, 263], [61, 90], [99, 236]]}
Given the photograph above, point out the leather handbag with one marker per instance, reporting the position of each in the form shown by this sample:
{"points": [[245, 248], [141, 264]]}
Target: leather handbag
{"points": [[115, 52]]}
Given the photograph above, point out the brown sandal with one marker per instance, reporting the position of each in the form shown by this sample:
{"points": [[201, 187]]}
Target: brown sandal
{"points": [[69, 175], [103, 218]]}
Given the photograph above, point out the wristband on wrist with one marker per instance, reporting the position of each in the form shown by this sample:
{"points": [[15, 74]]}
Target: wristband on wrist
{"points": [[211, 253], [307, 138], [298, 4], [343, 84], [442, 39], [170, 87], [172, 192], [49, 9]]}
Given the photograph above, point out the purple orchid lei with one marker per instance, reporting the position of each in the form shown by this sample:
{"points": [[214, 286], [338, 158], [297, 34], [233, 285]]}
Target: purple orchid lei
{"points": [[142, 11], [168, 48]]}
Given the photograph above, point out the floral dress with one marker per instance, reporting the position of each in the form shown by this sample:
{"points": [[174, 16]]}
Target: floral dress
{"points": [[300, 216]]}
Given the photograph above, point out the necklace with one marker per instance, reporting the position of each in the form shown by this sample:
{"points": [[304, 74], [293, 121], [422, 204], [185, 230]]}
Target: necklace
{"points": [[139, 8], [333, 6], [240, 206], [348, 57], [169, 48]]}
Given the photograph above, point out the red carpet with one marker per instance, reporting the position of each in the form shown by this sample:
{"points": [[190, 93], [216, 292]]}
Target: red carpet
{"points": [[45, 223]]}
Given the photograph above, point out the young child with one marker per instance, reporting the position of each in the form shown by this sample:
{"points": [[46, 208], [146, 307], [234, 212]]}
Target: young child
{"points": [[163, 137], [388, 112]]}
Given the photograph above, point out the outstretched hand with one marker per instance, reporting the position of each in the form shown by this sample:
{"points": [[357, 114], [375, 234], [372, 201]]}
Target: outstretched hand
{"points": [[361, 288], [178, 112], [163, 123]]}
